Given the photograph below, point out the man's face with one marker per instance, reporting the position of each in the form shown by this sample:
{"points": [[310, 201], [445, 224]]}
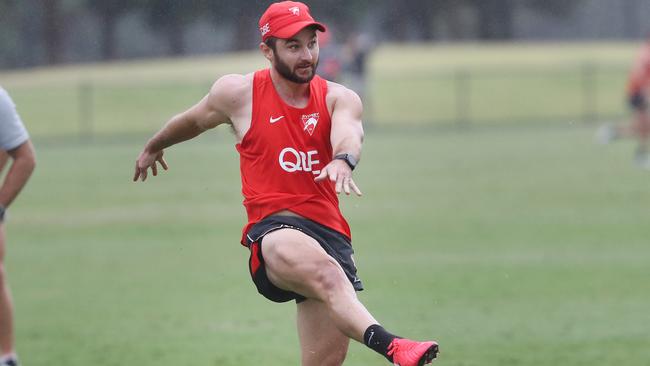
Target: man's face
{"points": [[296, 58]]}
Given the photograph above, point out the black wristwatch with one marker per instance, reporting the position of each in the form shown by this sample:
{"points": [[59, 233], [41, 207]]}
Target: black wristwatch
{"points": [[348, 158], [2, 213]]}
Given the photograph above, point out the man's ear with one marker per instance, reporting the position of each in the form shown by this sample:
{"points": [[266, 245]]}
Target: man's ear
{"points": [[266, 51]]}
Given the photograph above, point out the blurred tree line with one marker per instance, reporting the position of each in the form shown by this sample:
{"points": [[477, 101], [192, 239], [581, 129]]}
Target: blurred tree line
{"points": [[34, 32]]}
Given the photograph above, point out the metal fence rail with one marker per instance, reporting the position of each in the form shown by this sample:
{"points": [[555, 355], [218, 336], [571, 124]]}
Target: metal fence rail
{"points": [[458, 98]]}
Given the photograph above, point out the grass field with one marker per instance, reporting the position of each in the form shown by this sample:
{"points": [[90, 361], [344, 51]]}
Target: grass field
{"points": [[408, 85], [522, 247]]}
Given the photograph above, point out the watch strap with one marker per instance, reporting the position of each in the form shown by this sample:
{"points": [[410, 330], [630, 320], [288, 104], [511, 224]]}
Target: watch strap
{"points": [[349, 159]]}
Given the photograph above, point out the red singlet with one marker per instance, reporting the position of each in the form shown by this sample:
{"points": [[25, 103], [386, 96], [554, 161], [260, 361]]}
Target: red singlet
{"points": [[281, 154], [640, 75]]}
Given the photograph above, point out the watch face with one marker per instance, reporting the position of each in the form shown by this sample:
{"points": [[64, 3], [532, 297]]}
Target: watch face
{"points": [[351, 160]]}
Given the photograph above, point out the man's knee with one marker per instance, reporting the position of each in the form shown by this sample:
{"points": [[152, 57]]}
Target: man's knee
{"points": [[329, 279], [337, 357], [333, 356]]}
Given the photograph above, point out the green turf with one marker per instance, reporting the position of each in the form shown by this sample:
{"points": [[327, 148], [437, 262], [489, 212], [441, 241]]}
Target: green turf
{"points": [[522, 247], [511, 247], [430, 85]]}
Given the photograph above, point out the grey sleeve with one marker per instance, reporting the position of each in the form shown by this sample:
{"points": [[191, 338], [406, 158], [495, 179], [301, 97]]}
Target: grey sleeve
{"points": [[12, 130]]}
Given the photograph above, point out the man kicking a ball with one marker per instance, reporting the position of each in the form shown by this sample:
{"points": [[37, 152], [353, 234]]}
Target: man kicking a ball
{"points": [[299, 138]]}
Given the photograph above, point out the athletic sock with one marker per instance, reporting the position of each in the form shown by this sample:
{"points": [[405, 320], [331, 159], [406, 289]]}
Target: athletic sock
{"points": [[378, 339], [9, 360]]}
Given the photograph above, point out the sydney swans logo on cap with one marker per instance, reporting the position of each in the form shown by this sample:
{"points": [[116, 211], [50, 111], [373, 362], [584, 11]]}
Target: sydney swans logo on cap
{"points": [[295, 10], [265, 29]]}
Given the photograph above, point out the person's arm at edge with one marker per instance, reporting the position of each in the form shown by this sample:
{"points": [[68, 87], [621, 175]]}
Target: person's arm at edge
{"points": [[346, 137], [4, 157], [24, 161], [208, 113]]}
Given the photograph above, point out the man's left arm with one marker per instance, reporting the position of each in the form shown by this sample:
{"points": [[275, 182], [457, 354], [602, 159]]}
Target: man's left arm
{"points": [[346, 137], [21, 169]]}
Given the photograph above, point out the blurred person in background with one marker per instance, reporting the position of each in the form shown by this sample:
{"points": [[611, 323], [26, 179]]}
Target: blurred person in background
{"points": [[356, 52], [329, 57], [637, 89], [299, 138], [15, 147]]}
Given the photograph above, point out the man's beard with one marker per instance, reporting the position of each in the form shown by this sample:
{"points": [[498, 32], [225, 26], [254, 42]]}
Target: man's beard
{"points": [[285, 71]]}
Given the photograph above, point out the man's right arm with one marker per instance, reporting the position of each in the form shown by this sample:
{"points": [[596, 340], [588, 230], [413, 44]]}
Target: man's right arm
{"points": [[214, 109]]}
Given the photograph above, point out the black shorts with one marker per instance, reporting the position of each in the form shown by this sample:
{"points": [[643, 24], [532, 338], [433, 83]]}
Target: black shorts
{"points": [[638, 102], [335, 244]]}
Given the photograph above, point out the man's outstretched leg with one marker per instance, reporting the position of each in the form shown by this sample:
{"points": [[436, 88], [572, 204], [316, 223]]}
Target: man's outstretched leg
{"points": [[321, 343], [296, 262]]}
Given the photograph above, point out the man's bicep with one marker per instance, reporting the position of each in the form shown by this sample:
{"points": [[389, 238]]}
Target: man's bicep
{"points": [[224, 99], [207, 114]]}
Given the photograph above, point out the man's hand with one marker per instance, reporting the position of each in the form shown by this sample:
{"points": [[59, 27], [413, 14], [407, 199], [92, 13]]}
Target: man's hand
{"points": [[148, 160], [339, 172]]}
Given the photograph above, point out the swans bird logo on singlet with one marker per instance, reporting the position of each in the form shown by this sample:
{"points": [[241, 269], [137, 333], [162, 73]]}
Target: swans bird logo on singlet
{"points": [[309, 121]]}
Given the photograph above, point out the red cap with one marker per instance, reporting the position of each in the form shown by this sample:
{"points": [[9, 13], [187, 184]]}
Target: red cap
{"points": [[285, 19]]}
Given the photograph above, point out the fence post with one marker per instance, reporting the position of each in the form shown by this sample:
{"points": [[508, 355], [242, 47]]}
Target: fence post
{"points": [[86, 111], [589, 103], [462, 98]]}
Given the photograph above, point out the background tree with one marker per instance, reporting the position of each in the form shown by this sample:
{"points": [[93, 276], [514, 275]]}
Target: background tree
{"points": [[36, 32], [8, 31], [411, 19], [242, 17], [495, 18], [109, 12], [53, 29], [342, 16], [559, 8], [171, 17]]}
